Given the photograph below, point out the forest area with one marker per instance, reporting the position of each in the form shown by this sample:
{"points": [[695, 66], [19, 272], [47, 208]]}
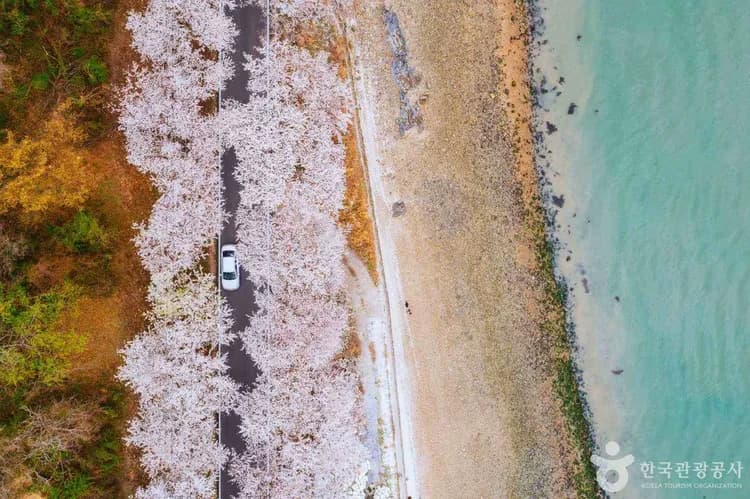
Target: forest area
{"points": [[72, 289]]}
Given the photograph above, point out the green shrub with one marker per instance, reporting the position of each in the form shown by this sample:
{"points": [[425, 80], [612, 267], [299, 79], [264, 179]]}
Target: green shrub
{"points": [[96, 70], [77, 486], [16, 22], [107, 452], [83, 234], [87, 20], [34, 351], [40, 81]]}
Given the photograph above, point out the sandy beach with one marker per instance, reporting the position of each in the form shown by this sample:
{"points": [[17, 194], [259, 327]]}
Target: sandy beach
{"points": [[453, 201]]}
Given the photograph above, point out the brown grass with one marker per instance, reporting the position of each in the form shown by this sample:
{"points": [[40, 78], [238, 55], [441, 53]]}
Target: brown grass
{"points": [[120, 55], [127, 198], [50, 270], [337, 50], [355, 215], [124, 198], [352, 345], [371, 349], [112, 319]]}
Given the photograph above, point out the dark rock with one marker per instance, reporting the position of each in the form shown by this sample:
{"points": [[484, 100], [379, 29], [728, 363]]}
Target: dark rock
{"points": [[617, 372], [558, 201], [572, 108], [551, 128], [617, 299], [398, 208], [585, 283], [395, 37]]}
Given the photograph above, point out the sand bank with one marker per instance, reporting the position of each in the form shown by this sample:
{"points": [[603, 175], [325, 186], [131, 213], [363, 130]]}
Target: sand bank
{"points": [[453, 203]]}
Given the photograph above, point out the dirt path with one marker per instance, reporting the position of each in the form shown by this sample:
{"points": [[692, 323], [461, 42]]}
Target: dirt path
{"points": [[450, 202]]}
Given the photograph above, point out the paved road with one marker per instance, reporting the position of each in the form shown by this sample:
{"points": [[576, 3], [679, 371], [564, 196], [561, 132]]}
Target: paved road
{"points": [[251, 25]]}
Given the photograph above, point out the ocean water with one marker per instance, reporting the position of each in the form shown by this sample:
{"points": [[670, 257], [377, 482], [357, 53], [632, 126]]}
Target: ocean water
{"points": [[653, 166]]}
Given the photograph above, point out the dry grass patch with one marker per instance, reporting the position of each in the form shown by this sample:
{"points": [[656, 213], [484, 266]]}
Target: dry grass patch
{"points": [[355, 215]]}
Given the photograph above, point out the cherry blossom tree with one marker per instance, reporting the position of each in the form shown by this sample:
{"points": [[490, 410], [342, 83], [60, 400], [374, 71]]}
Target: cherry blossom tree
{"points": [[168, 29], [288, 332], [302, 315], [292, 125], [303, 421], [288, 137], [169, 134], [175, 366], [303, 435], [180, 378]]}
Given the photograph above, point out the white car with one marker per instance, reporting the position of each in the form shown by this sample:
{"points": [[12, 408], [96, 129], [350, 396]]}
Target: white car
{"points": [[230, 268]]}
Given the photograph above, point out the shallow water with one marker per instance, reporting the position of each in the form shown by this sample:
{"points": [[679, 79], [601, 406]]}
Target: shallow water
{"points": [[653, 166]]}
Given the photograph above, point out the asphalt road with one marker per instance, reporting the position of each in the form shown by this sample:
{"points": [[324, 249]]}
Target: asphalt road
{"points": [[250, 22]]}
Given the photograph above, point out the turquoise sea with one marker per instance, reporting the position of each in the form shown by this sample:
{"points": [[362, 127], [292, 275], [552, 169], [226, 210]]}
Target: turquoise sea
{"points": [[653, 166]]}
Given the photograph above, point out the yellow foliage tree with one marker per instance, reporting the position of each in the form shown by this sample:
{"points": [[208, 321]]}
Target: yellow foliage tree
{"points": [[44, 175]]}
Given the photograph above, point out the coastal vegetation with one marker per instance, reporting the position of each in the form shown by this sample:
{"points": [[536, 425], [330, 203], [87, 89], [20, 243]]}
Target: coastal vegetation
{"points": [[554, 322], [70, 286], [566, 380], [530, 150]]}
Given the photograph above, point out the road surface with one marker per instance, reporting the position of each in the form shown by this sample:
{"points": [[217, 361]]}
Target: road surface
{"points": [[250, 23]]}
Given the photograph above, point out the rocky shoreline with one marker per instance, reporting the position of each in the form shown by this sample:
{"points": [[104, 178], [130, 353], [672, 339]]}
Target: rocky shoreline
{"points": [[570, 382]]}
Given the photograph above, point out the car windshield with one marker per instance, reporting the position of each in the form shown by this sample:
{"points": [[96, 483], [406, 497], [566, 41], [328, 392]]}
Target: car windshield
{"points": [[229, 276]]}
